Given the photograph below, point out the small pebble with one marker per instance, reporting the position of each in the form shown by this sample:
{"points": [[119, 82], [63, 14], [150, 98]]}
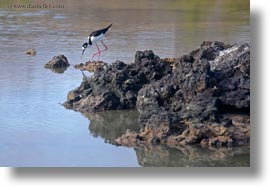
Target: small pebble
{"points": [[31, 52]]}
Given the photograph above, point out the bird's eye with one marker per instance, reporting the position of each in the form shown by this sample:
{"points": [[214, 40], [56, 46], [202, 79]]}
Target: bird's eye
{"points": [[84, 45]]}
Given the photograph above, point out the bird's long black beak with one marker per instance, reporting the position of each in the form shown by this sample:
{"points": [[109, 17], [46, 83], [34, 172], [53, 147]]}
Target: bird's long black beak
{"points": [[82, 52], [84, 46]]}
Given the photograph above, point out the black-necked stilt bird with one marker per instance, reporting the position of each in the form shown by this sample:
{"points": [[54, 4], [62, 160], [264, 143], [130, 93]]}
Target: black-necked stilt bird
{"points": [[95, 37]]}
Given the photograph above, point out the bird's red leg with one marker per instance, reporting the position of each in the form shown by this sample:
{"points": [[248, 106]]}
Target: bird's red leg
{"points": [[96, 53], [106, 48], [93, 56]]}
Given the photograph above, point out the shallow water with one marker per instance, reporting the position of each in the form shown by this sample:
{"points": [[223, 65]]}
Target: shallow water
{"points": [[36, 130]]}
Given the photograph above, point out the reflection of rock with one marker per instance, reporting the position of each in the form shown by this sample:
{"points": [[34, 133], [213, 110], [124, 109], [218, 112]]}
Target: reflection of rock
{"points": [[57, 62], [59, 70], [91, 66], [31, 52], [206, 100], [112, 124], [163, 156], [116, 86]]}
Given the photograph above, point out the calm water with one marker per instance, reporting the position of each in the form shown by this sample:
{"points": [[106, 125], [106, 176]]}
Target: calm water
{"points": [[36, 130]]}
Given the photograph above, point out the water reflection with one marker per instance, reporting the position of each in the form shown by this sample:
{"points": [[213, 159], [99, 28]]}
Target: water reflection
{"points": [[112, 124], [164, 156], [58, 70]]}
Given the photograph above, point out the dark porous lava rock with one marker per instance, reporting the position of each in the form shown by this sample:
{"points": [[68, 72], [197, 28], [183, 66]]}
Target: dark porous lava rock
{"points": [[91, 66], [116, 86], [205, 100], [59, 61]]}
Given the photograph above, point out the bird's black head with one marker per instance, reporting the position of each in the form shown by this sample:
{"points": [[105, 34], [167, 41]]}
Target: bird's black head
{"points": [[84, 46]]}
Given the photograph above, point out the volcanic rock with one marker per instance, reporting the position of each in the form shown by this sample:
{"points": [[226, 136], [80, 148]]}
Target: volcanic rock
{"points": [[57, 62], [115, 86], [195, 102], [200, 98], [91, 66]]}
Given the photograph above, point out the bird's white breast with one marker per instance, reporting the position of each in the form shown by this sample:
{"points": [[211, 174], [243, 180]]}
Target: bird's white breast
{"points": [[97, 38]]}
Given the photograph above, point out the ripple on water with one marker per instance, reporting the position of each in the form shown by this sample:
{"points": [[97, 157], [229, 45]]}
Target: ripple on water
{"points": [[59, 16]]}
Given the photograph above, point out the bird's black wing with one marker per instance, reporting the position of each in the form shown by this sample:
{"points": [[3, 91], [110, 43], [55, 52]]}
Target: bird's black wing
{"points": [[101, 31]]}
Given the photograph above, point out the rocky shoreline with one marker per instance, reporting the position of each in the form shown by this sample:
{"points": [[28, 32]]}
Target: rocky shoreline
{"points": [[90, 66], [200, 98], [115, 86]]}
